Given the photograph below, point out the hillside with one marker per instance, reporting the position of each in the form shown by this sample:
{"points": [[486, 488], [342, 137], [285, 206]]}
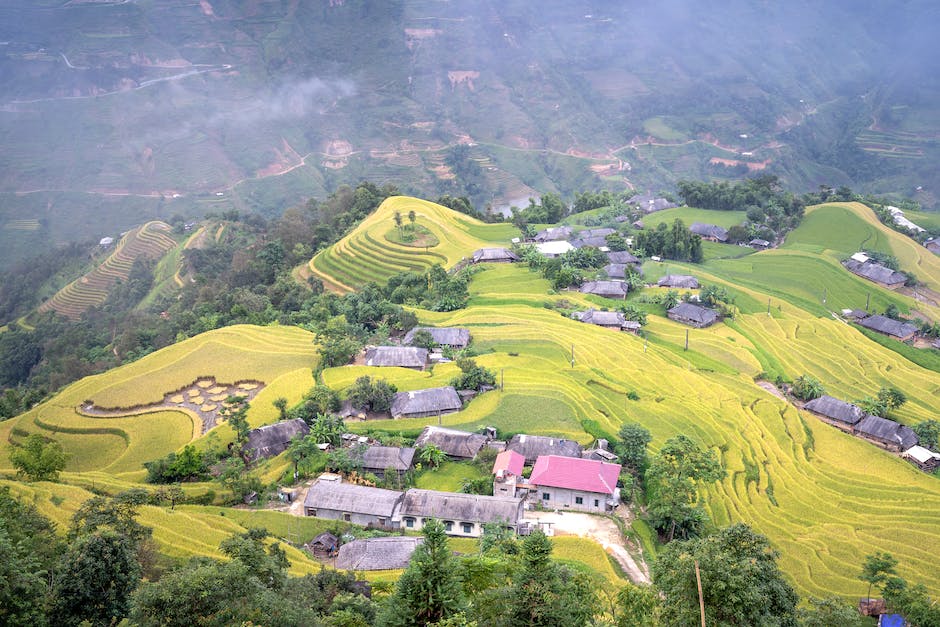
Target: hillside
{"points": [[369, 253]]}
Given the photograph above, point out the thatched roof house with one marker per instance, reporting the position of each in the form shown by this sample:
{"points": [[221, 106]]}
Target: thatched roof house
{"points": [[832, 410], [397, 356], [606, 319], [454, 337], [693, 315], [759, 243], [616, 270], [893, 436], [379, 459], [358, 504], [455, 443], [681, 281], [272, 440], [462, 514], [324, 545], [428, 402], [607, 289], [588, 233], [389, 553], [649, 203], [622, 256], [596, 242], [933, 245], [554, 248], [903, 331], [553, 233], [711, 232], [494, 255], [534, 446], [876, 273]]}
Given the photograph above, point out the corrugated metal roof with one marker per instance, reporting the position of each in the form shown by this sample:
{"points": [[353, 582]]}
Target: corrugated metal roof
{"points": [[509, 461], [494, 254]]}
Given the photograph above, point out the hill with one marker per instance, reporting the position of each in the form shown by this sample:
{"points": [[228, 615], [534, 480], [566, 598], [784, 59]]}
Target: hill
{"points": [[371, 251]]}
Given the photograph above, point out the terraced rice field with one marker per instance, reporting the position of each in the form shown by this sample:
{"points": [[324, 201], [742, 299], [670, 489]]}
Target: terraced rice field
{"points": [[151, 240], [366, 255]]}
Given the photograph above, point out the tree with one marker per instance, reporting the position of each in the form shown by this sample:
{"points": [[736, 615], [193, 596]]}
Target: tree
{"points": [[741, 584], [235, 411], [637, 606], [398, 222], [327, 429], [807, 387], [423, 339], [280, 403], [634, 439], [829, 612], [928, 431], [891, 398], [412, 216], [267, 563], [38, 459], [672, 482], [472, 377], [876, 570], [372, 394], [301, 449], [431, 455], [95, 579], [337, 343], [234, 476], [429, 589], [913, 602], [670, 299]]}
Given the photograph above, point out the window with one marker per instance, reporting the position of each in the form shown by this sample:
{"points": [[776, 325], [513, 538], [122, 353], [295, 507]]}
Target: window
{"points": [[467, 527], [382, 522], [448, 525], [410, 523], [311, 512], [546, 496], [578, 500], [597, 503], [347, 517]]}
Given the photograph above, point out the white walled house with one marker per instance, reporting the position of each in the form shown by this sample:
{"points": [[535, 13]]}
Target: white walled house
{"points": [[574, 483]]}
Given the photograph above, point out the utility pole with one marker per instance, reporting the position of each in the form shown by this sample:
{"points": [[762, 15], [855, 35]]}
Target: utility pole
{"points": [[701, 599], [686, 339], [768, 307], [502, 379], [572, 355], [868, 302]]}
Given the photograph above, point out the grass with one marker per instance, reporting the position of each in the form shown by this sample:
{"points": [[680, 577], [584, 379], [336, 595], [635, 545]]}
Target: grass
{"points": [[688, 215], [449, 477], [413, 235]]}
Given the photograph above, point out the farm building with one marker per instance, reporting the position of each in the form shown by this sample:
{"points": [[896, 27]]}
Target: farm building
{"points": [[324, 545], [391, 553], [835, 412], [534, 446], [854, 314], [759, 243], [553, 249], [596, 242], [591, 233], [901, 220], [617, 270], [272, 440], [889, 434], [622, 256], [381, 459], [711, 232], [607, 289], [679, 281], [649, 203], [693, 315], [509, 461], [452, 337], [494, 255], [606, 319], [876, 273], [601, 452], [576, 483], [933, 246], [903, 331], [462, 514], [423, 403], [455, 443], [397, 356], [507, 474], [332, 499], [923, 458], [553, 233]]}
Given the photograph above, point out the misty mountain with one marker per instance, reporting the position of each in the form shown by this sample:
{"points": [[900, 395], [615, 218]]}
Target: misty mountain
{"points": [[112, 112]]}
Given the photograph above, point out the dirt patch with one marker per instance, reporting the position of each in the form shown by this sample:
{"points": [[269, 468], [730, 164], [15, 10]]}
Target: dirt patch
{"points": [[462, 77], [337, 148], [770, 387], [206, 8], [751, 166]]}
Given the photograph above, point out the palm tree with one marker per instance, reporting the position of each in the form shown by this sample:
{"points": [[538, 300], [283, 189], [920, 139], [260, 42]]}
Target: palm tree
{"points": [[397, 218], [411, 218], [431, 455]]}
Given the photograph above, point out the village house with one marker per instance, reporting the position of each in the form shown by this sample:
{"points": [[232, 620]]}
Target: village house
{"points": [[554, 248], [933, 245], [710, 232], [332, 499], [553, 233], [854, 314], [454, 443], [494, 255], [679, 281], [601, 452], [324, 545], [903, 331], [390, 553], [424, 403], [380, 460], [591, 233], [887, 433], [648, 203], [597, 242], [760, 244], [617, 270], [507, 473], [622, 257], [534, 446], [606, 289], [876, 273], [606, 319], [462, 514], [397, 356], [272, 440], [693, 315], [452, 337], [575, 483], [923, 458], [837, 413]]}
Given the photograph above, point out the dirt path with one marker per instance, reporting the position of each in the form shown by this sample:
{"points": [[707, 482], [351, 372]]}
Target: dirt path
{"points": [[770, 387], [603, 531]]}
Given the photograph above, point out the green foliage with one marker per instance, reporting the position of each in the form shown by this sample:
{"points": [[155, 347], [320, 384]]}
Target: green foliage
{"points": [[372, 394], [807, 387], [928, 431], [637, 606], [633, 440], [741, 584], [38, 459], [877, 569], [328, 429], [881, 404], [236, 478], [117, 514], [912, 602], [829, 612], [473, 376], [188, 465], [337, 343], [675, 242], [431, 455], [235, 411], [302, 451], [478, 485], [423, 339]]}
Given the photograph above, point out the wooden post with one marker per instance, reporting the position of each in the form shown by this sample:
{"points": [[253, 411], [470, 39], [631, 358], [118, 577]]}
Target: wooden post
{"points": [[768, 307], [686, 339], [502, 379], [438, 417], [868, 302], [572, 355], [701, 599]]}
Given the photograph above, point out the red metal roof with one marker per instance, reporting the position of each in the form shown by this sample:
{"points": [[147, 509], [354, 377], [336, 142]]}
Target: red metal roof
{"points": [[575, 473], [509, 461]]}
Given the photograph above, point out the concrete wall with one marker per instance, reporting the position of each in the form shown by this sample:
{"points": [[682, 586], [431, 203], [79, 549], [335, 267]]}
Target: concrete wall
{"points": [[563, 498], [359, 519]]}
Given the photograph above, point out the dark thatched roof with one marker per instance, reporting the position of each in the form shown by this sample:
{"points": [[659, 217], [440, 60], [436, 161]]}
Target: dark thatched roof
{"points": [[694, 313], [875, 272], [883, 324], [678, 280], [532, 446], [354, 499], [604, 232], [429, 401], [622, 256], [616, 270], [600, 318], [649, 203], [272, 440], [326, 540], [553, 233], [402, 356], [389, 553], [453, 442], [709, 230], [758, 243], [607, 289], [596, 242], [835, 409], [447, 336], [460, 507], [494, 254], [888, 431], [382, 458]]}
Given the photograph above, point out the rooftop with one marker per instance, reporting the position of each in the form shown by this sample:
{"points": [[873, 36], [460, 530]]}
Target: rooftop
{"points": [[575, 473], [401, 356], [389, 553], [354, 499], [453, 442], [888, 326], [696, 313], [678, 280], [448, 336], [509, 461], [835, 409], [386, 457], [535, 446], [458, 506], [426, 401]]}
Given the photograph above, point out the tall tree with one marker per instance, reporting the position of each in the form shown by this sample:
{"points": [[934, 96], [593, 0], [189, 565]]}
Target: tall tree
{"points": [[634, 438], [876, 570], [807, 387], [38, 459], [929, 433], [429, 589]]}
